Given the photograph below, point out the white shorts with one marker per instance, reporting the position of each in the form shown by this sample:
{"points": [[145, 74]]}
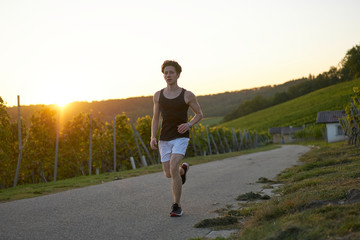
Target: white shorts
{"points": [[176, 146]]}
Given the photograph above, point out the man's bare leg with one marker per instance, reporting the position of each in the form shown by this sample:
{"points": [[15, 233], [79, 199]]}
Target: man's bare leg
{"points": [[166, 169], [172, 168], [176, 183]]}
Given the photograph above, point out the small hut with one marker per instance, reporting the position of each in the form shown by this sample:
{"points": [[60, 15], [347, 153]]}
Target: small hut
{"points": [[334, 131]]}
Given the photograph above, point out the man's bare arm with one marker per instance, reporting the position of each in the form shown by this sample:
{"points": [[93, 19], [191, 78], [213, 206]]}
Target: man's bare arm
{"points": [[155, 121]]}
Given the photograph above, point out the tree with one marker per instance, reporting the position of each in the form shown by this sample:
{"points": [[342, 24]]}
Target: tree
{"points": [[246, 107], [280, 98], [351, 64], [143, 125], [8, 150], [39, 151], [125, 144], [76, 143]]}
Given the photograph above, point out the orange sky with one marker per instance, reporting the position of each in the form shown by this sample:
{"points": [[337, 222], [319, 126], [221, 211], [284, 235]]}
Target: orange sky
{"points": [[64, 51]]}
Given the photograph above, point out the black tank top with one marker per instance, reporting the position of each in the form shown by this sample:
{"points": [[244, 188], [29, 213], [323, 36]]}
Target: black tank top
{"points": [[174, 112]]}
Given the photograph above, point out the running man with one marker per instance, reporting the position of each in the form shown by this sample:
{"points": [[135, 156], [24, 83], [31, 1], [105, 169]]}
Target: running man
{"points": [[173, 103]]}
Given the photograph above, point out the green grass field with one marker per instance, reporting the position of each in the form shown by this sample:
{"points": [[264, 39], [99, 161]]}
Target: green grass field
{"points": [[299, 111]]}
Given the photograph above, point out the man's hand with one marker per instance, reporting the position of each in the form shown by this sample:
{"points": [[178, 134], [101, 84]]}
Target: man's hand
{"points": [[183, 128], [153, 143]]}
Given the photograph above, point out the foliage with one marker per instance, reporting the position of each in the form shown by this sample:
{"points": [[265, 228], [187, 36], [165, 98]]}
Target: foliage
{"points": [[299, 111], [75, 145], [311, 131], [74, 156], [351, 123], [351, 63], [246, 107], [38, 153], [8, 147]]}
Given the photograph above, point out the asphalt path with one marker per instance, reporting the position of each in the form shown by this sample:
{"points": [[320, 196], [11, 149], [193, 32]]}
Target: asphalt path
{"points": [[139, 207]]}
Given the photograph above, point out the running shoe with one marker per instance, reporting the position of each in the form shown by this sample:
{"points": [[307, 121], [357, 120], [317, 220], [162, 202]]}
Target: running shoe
{"points": [[176, 211], [186, 167]]}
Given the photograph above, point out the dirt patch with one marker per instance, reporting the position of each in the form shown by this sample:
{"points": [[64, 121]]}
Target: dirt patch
{"points": [[264, 180], [250, 196], [352, 196], [289, 233], [214, 222]]}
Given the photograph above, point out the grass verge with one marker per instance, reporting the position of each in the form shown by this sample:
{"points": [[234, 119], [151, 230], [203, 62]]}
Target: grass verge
{"points": [[317, 199], [35, 190]]}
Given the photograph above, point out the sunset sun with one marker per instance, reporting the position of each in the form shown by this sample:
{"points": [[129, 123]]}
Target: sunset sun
{"points": [[61, 97]]}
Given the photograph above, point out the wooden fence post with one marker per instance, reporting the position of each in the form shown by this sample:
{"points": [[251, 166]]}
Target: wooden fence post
{"points": [[226, 143], [213, 141], [57, 144], [255, 140], [235, 142], [142, 143], [221, 143], [20, 143], [143, 160], [114, 138], [137, 143], [132, 161], [197, 139], [193, 141], [208, 140], [240, 140], [243, 140], [90, 143]]}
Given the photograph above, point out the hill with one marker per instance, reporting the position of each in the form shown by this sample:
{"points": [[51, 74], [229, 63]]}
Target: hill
{"points": [[214, 105], [299, 111]]}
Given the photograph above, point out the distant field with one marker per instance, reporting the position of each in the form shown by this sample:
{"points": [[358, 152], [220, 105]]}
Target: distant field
{"points": [[211, 121], [299, 111]]}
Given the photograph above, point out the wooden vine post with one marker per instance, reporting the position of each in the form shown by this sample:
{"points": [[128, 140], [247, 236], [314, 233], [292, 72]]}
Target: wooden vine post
{"points": [[20, 145], [208, 140], [114, 142], [90, 143], [57, 144]]}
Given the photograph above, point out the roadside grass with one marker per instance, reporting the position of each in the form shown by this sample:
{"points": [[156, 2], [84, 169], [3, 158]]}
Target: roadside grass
{"points": [[35, 190], [313, 203]]}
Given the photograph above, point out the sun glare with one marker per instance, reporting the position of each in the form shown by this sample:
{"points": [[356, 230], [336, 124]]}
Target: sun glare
{"points": [[63, 100], [60, 100], [62, 104], [60, 95]]}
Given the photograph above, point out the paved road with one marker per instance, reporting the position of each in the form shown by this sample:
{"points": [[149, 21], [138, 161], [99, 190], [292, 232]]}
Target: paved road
{"points": [[138, 208]]}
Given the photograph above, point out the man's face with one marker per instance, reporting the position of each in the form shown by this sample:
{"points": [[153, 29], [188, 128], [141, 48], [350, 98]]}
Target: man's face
{"points": [[170, 75]]}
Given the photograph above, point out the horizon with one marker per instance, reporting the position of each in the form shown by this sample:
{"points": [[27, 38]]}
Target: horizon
{"points": [[61, 52], [114, 99]]}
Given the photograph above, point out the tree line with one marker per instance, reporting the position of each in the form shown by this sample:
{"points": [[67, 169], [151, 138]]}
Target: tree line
{"points": [[349, 69], [88, 145], [214, 105]]}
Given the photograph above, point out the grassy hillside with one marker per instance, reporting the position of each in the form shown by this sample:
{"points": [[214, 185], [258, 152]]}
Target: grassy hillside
{"points": [[299, 111]]}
